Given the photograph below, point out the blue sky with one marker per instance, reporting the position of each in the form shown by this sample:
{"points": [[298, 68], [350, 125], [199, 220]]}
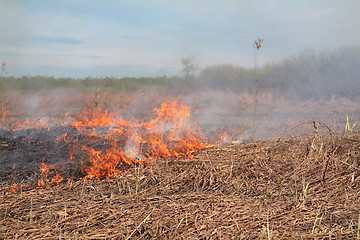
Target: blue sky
{"points": [[67, 38]]}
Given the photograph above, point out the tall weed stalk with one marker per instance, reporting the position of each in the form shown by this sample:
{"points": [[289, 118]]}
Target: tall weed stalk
{"points": [[256, 46]]}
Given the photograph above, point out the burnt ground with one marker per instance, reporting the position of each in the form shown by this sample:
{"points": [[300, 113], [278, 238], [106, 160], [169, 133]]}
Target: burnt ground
{"points": [[300, 187], [23, 151]]}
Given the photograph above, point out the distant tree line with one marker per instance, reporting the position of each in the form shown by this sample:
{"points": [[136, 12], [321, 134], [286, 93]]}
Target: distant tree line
{"points": [[308, 75]]}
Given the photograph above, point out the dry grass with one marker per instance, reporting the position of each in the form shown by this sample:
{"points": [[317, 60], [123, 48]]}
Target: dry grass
{"points": [[306, 187]]}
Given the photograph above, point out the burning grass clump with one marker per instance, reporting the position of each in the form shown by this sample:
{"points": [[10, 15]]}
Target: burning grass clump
{"points": [[169, 134], [100, 144]]}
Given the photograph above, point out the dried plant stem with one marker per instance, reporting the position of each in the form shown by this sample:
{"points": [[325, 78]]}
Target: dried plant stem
{"points": [[31, 211], [300, 124], [358, 228], [257, 46], [143, 221], [256, 98]]}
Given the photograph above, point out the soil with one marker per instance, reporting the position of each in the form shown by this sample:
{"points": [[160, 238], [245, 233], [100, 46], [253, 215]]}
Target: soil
{"points": [[304, 186]]}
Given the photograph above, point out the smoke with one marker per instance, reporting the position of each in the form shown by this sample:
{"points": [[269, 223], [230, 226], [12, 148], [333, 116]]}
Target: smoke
{"points": [[312, 85], [317, 75]]}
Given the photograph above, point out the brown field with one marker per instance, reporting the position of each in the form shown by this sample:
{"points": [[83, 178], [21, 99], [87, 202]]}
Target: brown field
{"points": [[302, 185]]}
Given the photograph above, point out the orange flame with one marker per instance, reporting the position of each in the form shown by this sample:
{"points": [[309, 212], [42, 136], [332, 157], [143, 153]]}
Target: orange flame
{"points": [[44, 172], [105, 164], [170, 134], [92, 118], [5, 113]]}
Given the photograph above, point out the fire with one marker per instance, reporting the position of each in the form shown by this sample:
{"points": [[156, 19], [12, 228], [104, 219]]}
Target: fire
{"points": [[11, 123], [93, 120], [106, 164], [94, 115], [5, 113], [44, 176], [170, 134], [47, 177], [174, 112]]}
